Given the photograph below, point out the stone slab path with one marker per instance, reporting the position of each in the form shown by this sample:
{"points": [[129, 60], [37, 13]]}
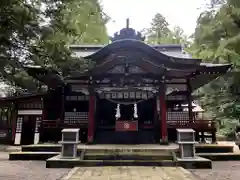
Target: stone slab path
{"points": [[129, 173], [27, 170]]}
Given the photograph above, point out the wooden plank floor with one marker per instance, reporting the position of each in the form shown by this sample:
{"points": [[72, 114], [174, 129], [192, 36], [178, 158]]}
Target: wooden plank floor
{"points": [[129, 173]]}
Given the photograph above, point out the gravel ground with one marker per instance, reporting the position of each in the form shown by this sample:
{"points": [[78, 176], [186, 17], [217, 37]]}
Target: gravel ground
{"points": [[27, 170], [35, 170], [227, 170]]}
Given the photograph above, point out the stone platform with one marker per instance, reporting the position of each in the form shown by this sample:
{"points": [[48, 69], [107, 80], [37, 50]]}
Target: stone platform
{"points": [[200, 148], [129, 154], [118, 155], [101, 147], [126, 155]]}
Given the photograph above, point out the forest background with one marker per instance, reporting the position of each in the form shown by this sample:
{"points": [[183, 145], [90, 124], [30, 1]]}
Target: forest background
{"points": [[36, 32]]}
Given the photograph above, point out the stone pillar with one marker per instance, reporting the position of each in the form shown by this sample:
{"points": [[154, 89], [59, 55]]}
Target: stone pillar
{"points": [[91, 112]]}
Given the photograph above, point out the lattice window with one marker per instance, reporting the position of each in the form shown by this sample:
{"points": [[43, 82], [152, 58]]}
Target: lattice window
{"points": [[76, 117], [175, 98], [177, 116], [77, 98], [19, 124], [179, 87], [30, 105]]}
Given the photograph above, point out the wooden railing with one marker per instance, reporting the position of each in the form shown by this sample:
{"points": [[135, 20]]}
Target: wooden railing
{"points": [[59, 124], [203, 125], [50, 123]]}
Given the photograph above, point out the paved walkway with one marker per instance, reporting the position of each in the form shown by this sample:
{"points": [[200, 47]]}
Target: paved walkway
{"points": [[7, 148], [27, 170], [35, 170], [129, 173]]}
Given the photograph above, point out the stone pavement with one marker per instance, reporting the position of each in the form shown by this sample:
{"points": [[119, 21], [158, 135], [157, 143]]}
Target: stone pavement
{"points": [[129, 173], [35, 170], [7, 148], [27, 170], [222, 170]]}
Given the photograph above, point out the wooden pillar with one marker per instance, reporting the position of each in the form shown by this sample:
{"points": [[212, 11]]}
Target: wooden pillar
{"points": [[214, 138], [163, 117], [14, 121], [62, 104], [157, 125], [163, 113], [91, 112], [189, 99]]}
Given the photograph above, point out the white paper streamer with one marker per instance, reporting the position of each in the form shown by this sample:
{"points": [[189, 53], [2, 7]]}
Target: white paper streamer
{"points": [[118, 114], [135, 115]]}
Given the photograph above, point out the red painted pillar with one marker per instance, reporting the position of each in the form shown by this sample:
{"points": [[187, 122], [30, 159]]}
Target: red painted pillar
{"points": [[91, 124], [163, 117]]}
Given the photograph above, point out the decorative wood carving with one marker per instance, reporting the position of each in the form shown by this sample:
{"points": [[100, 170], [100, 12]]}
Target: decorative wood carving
{"points": [[126, 94], [126, 69]]}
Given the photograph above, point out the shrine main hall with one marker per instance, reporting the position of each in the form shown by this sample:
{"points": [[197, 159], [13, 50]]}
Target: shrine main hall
{"points": [[135, 93]]}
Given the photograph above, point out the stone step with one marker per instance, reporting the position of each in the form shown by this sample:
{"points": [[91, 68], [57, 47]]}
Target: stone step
{"points": [[41, 148], [221, 156], [56, 162], [127, 150], [214, 148], [127, 156], [31, 155]]}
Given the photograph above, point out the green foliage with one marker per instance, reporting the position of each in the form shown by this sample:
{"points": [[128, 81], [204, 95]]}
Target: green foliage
{"points": [[217, 40], [160, 33], [37, 32]]}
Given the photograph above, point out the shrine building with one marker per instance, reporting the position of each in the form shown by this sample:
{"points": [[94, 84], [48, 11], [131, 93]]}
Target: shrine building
{"points": [[135, 94]]}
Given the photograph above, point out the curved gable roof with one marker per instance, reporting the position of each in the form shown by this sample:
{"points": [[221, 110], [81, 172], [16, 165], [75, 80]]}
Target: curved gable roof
{"points": [[135, 44]]}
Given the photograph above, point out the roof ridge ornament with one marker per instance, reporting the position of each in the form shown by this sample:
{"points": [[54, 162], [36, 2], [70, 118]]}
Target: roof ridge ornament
{"points": [[127, 33]]}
